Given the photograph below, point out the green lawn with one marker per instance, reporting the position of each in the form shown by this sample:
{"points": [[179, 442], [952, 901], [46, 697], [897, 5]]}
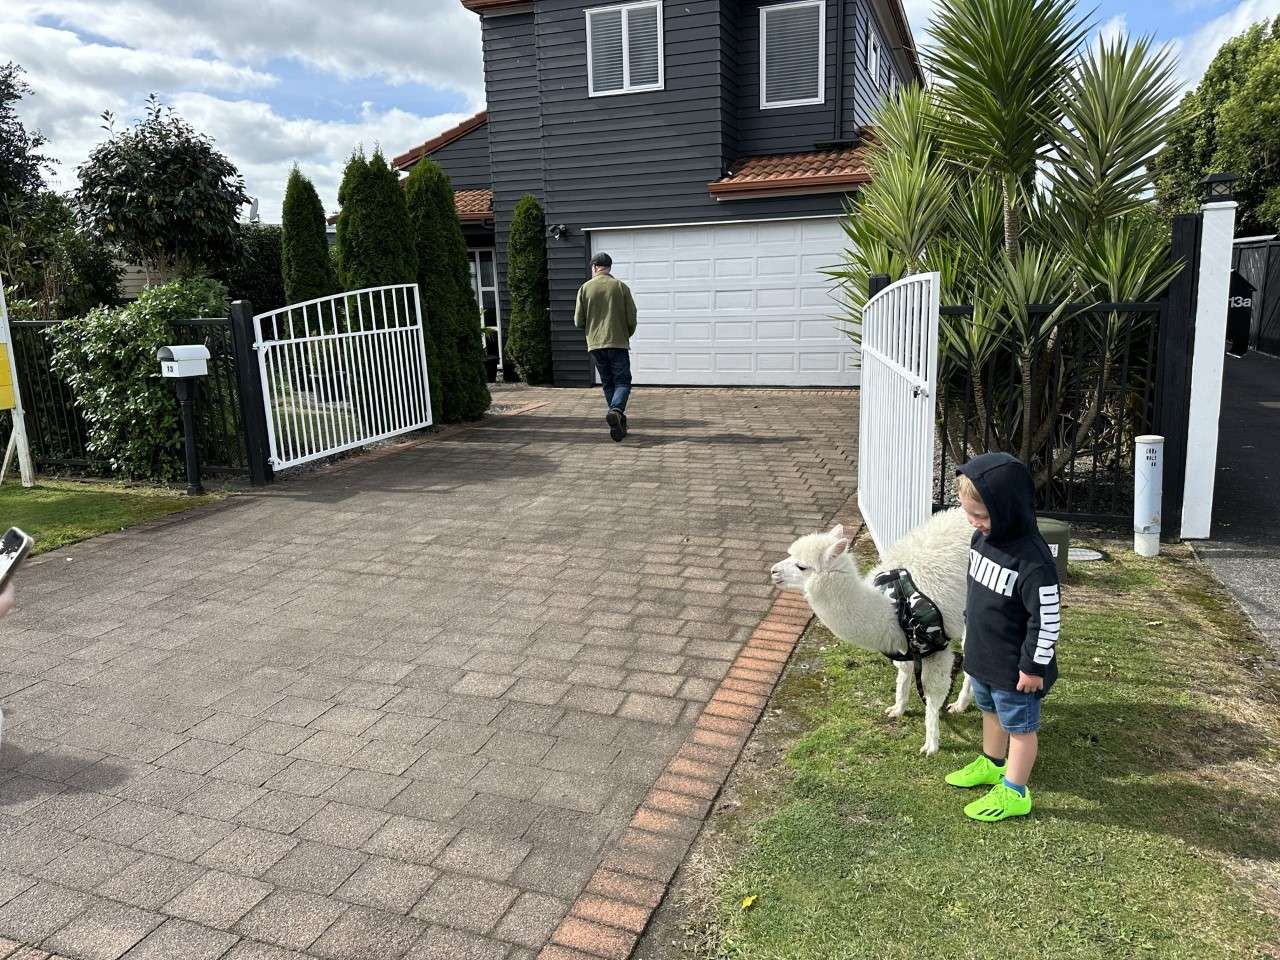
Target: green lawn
{"points": [[56, 513], [1157, 824]]}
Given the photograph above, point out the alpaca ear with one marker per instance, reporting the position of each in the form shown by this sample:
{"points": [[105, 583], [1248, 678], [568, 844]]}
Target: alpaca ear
{"points": [[835, 551], [837, 531]]}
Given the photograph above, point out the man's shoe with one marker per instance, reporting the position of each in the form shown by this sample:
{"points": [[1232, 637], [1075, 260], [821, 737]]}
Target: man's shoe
{"points": [[981, 773], [616, 430], [1000, 803], [624, 424]]}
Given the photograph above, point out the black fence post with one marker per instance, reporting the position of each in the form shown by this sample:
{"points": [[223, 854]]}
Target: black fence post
{"points": [[876, 282], [249, 380], [1173, 365]]}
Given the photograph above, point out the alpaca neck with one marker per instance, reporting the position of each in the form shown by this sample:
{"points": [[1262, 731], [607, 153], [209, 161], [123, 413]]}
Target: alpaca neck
{"points": [[855, 611]]}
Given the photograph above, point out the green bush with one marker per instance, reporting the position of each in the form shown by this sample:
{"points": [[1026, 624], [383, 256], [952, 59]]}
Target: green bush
{"points": [[108, 358], [304, 259], [529, 342], [451, 317], [256, 273], [375, 240]]}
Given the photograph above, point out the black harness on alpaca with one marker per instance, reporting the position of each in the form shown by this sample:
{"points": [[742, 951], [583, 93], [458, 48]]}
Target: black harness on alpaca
{"points": [[919, 618]]}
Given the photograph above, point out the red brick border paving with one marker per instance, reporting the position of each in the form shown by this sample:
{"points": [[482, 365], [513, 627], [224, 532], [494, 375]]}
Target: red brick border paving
{"points": [[607, 919]]}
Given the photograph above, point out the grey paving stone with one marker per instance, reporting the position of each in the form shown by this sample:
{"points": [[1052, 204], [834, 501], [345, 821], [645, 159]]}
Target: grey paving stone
{"points": [[279, 812], [104, 931], [363, 934], [516, 780], [407, 838], [559, 871], [223, 728], [316, 867], [466, 903], [127, 822], [218, 899], [298, 711], [290, 918], [430, 801], [70, 810], [184, 837], [502, 816], [365, 788], [454, 736], [307, 778], [87, 864], [273, 737], [483, 855], [150, 882], [442, 766], [247, 851], [11, 885], [40, 910], [343, 825], [179, 940], [221, 799], [532, 919], [402, 728], [391, 885], [347, 719], [386, 756], [196, 756], [443, 943], [252, 767], [252, 950]]}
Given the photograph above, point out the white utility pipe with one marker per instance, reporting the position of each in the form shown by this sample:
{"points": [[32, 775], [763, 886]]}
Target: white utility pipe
{"points": [[1148, 476]]}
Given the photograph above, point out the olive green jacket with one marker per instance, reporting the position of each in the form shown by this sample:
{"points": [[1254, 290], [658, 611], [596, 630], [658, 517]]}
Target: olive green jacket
{"points": [[607, 311]]}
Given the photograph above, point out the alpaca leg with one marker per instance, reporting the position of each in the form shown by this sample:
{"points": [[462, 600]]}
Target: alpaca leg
{"points": [[963, 698], [906, 674], [936, 680]]}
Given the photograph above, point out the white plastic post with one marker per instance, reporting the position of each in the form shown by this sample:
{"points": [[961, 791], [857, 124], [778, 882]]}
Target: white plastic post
{"points": [[1213, 288], [1148, 477], [18, 438]]}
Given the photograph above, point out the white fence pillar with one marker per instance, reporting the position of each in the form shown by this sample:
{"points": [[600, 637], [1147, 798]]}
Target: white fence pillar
{"points": [[1213, 288]]}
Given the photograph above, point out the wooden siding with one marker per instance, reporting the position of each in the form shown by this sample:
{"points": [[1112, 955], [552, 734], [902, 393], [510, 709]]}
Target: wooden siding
{"points": [[466, 160], [644, 158]]}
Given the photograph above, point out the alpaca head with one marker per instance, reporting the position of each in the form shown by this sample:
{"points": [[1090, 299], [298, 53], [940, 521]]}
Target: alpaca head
{"points": [[815, 553]]}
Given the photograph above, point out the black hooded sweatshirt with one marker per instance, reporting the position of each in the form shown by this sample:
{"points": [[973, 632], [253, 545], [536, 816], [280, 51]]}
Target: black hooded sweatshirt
{"points": [[1013, 610]]}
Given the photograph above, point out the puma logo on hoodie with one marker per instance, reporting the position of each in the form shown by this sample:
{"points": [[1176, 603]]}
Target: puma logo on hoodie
{"points": [[1013, 612]]}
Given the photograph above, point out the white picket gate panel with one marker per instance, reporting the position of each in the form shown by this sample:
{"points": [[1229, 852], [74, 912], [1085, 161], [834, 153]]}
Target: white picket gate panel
{"points": [[896, 407], [342, 371]]}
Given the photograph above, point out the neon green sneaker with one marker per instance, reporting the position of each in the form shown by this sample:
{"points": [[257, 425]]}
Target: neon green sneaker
{"points": [[1000, 803], [981, 773]]}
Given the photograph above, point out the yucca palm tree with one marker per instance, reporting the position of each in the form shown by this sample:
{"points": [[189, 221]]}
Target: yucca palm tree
{"points": [[1020, 175]]}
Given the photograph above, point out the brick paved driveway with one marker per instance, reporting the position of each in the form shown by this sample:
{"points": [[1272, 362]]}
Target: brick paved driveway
{"points": [[401, 708]]}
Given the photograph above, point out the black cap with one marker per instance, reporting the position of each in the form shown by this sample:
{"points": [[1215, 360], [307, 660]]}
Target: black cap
{"points": [[602, 260]]}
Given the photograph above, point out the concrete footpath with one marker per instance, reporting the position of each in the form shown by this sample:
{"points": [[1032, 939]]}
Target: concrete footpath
{"points": [[1244, 550]]}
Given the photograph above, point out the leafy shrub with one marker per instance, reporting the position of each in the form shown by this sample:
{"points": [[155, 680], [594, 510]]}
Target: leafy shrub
{"points": [[256, 273], [164, 194], [529, 342], [305, 262], [375, 242], [108, 358], [451, 321]]}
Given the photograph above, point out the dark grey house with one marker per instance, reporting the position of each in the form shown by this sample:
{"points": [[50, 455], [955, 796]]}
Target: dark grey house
{"points": [[708, 145]]}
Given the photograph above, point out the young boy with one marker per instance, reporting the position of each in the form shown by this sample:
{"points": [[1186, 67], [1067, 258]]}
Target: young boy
{"points": [[1012, 619]]}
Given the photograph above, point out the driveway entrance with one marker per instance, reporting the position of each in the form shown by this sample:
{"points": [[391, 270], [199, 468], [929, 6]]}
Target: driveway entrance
{"points": [[401, 708]]}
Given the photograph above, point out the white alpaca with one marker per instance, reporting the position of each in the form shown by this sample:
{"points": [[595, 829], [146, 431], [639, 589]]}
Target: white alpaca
{"points": [[937, 555]]}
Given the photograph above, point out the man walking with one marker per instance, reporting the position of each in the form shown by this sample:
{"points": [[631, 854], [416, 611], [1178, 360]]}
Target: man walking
{"points": [[608, 313]]}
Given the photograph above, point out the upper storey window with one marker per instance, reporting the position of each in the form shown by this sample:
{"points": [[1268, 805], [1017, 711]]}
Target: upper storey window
{"points": [[624, 48], [792, 54]]}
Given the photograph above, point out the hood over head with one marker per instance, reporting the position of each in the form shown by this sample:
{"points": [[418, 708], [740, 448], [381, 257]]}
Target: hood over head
{"points": [[1005, 485]]}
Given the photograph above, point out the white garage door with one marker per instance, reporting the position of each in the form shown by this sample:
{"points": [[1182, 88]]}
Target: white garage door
{"points": [[739, 304]]}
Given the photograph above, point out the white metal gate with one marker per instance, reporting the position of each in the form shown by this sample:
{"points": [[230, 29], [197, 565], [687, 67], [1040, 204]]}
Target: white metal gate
{"points": [[896, 407], [342, 371]]}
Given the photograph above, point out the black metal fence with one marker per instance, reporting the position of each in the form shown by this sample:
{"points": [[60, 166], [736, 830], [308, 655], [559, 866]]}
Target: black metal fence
{"points": [[58, 435], [1093, 394]]}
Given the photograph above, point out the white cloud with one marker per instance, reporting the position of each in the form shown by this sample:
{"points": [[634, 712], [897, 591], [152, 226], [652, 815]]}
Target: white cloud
{"points": [[221, 84], [1197, 50]]}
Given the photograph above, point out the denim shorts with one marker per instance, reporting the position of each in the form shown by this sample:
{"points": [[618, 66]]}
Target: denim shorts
{"points": [[1017, 712]]}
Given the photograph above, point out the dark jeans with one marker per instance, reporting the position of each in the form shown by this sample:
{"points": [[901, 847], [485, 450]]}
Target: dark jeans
{"points": [[614, 365]]}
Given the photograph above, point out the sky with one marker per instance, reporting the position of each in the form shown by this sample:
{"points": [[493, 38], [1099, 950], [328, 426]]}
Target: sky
{"points": [[283, 82]]}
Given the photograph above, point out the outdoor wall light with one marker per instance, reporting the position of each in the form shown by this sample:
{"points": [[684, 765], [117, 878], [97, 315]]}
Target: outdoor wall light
{"points": [[1217, 187], [557, 231]]}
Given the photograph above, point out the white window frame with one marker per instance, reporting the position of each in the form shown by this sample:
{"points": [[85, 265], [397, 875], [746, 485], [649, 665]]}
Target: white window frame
{"points": [[873, 55], [626, 50], [822, 56]]}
